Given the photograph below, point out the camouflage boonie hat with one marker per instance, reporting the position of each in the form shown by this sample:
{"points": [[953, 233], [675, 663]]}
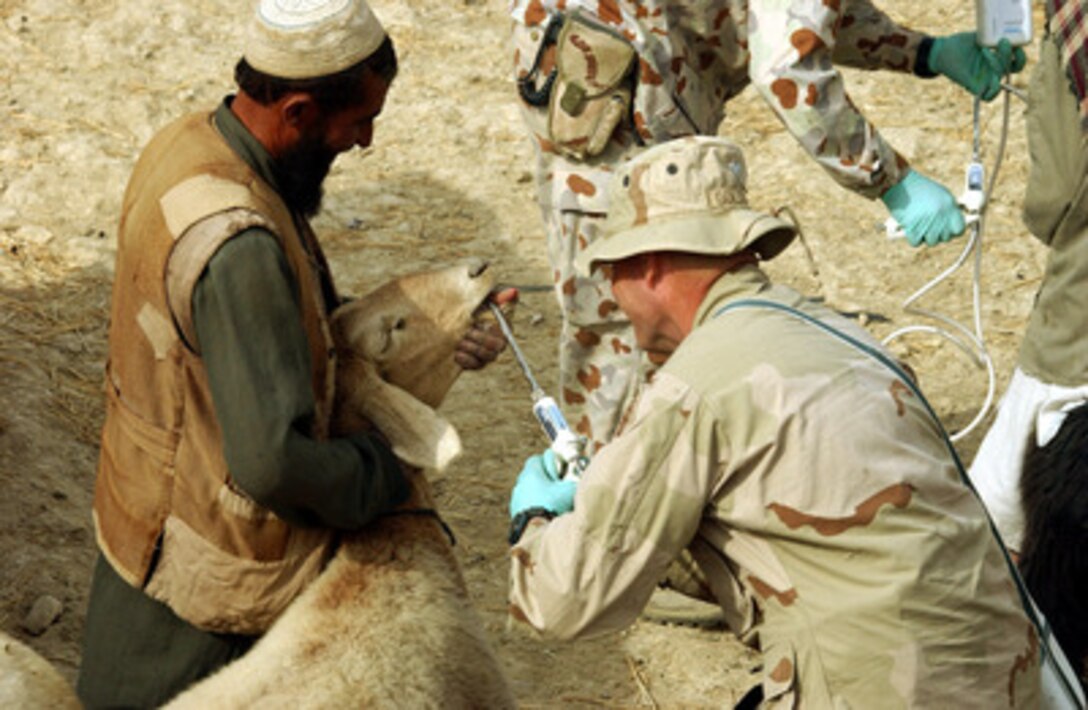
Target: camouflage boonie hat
{"points": [[687, 195]]}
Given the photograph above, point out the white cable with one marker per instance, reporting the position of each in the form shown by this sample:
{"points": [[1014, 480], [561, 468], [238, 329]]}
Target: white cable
{"points": [[971, 343]]}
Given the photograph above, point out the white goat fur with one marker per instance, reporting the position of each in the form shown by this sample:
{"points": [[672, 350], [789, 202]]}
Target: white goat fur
{"points": [[389, 623], [28, 681]]}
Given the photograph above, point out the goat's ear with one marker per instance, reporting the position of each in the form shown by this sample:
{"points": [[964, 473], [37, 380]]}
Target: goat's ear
{"points": [[419, 436]]}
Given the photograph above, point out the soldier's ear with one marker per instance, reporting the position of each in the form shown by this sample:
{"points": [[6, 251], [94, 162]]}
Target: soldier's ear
{"points": [[653, 267]]}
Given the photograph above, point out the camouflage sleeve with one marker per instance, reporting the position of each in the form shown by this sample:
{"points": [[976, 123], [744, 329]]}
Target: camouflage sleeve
{"points": [[869, 39], [791, 66], [639, 504]]}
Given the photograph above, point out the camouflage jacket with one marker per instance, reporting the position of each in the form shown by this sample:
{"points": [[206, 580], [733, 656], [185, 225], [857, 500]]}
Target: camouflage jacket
{"points": [[695, 56], [816, 494]]}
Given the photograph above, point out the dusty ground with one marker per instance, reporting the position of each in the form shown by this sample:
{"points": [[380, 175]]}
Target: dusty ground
{"points": [[84, 84]]}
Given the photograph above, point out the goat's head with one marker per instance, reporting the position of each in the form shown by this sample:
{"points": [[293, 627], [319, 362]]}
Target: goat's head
{"points": [[396, 357]]}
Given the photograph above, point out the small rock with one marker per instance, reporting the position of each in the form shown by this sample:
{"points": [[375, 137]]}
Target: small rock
{"points": [[536, 319], [45, 611]]}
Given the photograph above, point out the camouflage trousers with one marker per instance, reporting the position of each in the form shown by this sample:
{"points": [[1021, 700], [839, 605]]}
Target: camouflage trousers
{"points": [[599, 363], [600, 366]]}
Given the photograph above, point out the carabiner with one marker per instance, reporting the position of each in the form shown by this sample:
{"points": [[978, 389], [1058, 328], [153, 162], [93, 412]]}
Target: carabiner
{"points": [[527, 88]]}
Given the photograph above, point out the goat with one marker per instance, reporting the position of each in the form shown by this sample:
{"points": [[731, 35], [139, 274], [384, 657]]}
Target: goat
{"points": [[1054, 551], [389, 622]]}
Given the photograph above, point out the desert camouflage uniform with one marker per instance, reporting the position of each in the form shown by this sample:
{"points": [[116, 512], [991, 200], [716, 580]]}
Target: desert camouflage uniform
{"points": [[693, 56], [818, 498]]}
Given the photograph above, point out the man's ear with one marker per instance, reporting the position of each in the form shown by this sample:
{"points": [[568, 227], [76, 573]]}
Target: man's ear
{"points": [[653, 267], [299, 111]]}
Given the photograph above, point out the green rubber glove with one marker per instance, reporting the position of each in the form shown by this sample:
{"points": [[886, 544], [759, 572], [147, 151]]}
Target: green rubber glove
{"points": [[977, 69], [539, 486], [925, 209]]}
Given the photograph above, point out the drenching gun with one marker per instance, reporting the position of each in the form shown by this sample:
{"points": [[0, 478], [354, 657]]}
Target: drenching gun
{"points": [[567, 446]]}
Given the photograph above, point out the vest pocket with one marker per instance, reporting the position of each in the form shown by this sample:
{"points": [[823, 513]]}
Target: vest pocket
{"points": [[219, 591], [152, 443], [134, 487]]}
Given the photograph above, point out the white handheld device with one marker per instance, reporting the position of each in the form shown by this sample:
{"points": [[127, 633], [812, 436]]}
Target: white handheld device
{"points": [[1003, 19]]}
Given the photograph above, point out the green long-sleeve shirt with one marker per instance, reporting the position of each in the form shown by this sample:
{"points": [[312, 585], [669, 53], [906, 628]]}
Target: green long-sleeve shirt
{"points": [[248, 321]]}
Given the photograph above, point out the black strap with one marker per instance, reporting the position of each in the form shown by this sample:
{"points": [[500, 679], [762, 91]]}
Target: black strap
{"points": [[520, 521], [527, 88]]}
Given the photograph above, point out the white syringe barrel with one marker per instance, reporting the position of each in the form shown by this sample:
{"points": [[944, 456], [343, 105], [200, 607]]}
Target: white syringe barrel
{"points": [[565, 443]]}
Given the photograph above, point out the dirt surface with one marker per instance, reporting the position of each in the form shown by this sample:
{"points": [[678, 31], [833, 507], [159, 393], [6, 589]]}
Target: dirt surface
{"points": [[83, 86]]}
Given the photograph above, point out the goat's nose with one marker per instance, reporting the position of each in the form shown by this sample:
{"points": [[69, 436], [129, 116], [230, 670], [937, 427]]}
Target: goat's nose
{"points": [[477, 267]]}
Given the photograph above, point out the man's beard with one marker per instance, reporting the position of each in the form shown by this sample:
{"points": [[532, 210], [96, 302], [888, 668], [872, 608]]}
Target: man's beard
{"points": [[300, 172]]}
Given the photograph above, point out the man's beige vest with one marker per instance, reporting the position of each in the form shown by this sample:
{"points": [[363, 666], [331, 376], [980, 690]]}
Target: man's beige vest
{"points": [[166, 514]]}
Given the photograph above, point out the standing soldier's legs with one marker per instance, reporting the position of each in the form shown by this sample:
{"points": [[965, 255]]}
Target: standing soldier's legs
{"points": [[599, 363]]}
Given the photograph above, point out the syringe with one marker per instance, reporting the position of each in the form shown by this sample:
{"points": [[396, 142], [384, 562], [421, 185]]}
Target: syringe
{"points": [[567, 446]]}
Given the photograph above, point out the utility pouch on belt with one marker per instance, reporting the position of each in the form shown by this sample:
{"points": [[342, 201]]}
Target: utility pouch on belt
{"points": [[592, 93]]}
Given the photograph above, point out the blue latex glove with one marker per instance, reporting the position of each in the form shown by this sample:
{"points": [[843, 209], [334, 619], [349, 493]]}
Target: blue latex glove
{"points": [[538, 486], [977, 69], [925, 209]]}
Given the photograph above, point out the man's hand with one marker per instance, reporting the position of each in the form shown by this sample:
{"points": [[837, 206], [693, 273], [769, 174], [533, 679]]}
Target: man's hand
{"points": [[977, 69], [539, 486], [483, 343], [925, 209]]}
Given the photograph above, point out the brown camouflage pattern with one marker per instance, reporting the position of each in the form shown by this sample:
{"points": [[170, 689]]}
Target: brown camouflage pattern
{"points": [[693, 57], [820, 502]]}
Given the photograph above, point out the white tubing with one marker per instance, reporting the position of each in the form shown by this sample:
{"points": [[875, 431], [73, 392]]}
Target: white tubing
{"points": [[970, 341]]}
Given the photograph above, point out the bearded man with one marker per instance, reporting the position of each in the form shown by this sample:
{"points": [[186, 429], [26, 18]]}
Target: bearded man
{"points": [[220, 489]]}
